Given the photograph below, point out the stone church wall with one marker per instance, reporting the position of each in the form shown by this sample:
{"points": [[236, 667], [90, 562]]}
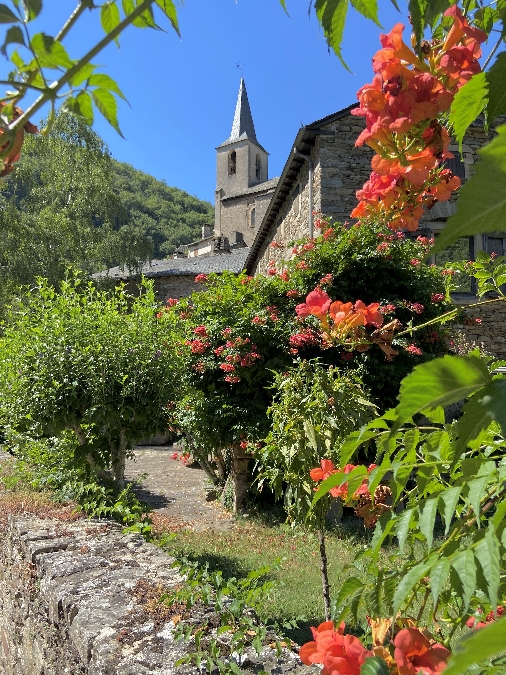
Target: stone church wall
{"points": [[292, 221]]}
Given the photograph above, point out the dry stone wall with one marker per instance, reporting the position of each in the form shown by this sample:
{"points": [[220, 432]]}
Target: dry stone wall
{"points": [[70, 604], [489, 332]]}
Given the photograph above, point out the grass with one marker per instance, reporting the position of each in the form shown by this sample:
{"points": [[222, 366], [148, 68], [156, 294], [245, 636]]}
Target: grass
{"points": [[16, 497], [293, 554]]}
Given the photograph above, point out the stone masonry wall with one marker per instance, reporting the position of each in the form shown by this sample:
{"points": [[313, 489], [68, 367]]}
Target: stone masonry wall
{"points": [[490, 331], [293, 217], [70, 604], [340, 169], [171, 286]]}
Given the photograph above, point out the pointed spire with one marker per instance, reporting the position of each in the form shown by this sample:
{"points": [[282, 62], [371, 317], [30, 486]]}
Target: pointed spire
{"points": [[242, 126]]}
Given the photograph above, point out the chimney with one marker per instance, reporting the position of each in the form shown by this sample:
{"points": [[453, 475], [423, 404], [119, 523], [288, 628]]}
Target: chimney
{"points": [[221, 245], [207, 230], [237, 239], [178, 253]]}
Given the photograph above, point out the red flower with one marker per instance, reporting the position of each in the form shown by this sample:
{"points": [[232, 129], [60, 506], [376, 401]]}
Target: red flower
{"points": [[172, 301], [227, 367], [437, 297], [340, 654], [317, 303], [233, 379], [201, 330], [201, 278], [292, 294], [414, 654], [413, 349]]}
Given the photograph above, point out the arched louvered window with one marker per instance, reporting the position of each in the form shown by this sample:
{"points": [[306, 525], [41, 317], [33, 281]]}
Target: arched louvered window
{"points": [[232, 163]]}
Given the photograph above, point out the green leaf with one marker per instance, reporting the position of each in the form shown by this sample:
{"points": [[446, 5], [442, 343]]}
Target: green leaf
{"points": [[353, 441], [496, 79], [82, 74], [310, 432], [450, 499], [348, 588], [417, 9], [474, 419], [368, 8], [33, 8], [481, 645], [438, 576], [427, 519], [14, 35], [108, 106], [440, 382], [481, 206], [109, 16], [49, 52], [491, 399], [476, 488], [7, 15], [402, 527], [465, 566], [169, 9], [374, 666], [469, 102], [105, 82], [487, 554], [332, 16], [408, 583], [85, 105]]}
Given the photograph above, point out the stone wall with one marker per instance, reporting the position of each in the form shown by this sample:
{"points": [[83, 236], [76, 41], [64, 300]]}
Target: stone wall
{"points": [[340, 169], [490, 330], [73, 602], [292, 221], [170, 286]]}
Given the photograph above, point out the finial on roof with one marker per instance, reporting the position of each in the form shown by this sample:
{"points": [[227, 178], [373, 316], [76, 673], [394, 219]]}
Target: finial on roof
{"points": [[242, 126]]}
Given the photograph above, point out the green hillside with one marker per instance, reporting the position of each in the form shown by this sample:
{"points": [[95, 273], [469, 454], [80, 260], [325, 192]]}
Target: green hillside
{"points": [[166, 214], [70, 204]]}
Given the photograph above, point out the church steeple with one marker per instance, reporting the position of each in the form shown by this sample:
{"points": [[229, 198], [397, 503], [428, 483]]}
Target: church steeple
{"points": [[241, 160], [242, 126]]}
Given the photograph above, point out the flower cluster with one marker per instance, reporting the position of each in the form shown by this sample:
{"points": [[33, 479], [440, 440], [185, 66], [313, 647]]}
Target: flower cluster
{"points": [[367, 506], [474, 621], [346, 323], [401, 108], [411, 652]]}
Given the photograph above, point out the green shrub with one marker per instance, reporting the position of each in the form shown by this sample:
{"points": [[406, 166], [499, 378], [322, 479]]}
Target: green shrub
{"points": [[96, 364]]}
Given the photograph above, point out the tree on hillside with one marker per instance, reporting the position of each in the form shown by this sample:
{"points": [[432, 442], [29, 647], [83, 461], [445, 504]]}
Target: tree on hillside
{"points": [[60, 209], [166, 214]]}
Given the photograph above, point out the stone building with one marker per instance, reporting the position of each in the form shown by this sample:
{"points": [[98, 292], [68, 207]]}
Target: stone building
{"points": [[175, 277], [323, 172]]}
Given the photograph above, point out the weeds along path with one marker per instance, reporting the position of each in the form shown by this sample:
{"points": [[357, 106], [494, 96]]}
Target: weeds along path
{"points": [[174, 491]]}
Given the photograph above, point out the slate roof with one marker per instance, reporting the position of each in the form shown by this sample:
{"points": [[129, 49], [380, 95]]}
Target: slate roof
{"points": [[242, 126], [234, 262], [260, 187]]}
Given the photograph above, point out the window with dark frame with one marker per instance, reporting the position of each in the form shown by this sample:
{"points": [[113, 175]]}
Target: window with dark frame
{"points": [[257, 166], [456, 165], [460, 250]]}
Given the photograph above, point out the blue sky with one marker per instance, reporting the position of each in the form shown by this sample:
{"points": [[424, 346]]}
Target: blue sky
{"points": [[183, 92]]}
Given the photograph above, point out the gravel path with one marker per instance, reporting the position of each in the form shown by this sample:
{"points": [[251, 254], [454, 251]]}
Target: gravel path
{"points": [[175, 492]]}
